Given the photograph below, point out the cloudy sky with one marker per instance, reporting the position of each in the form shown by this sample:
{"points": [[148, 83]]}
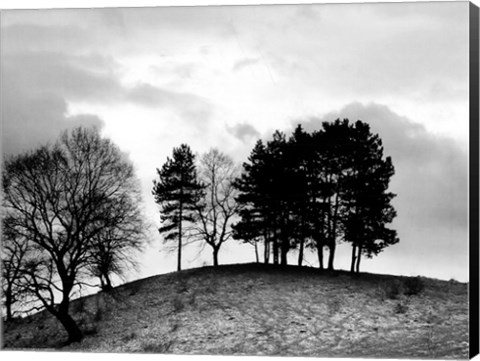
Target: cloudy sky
{"points": [[153, 78]]}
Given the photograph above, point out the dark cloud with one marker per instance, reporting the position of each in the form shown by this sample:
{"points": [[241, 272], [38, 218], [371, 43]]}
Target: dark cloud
{"points": [[89, 78], [36, 88], [243, 132], [42, 73], [30, 120]]}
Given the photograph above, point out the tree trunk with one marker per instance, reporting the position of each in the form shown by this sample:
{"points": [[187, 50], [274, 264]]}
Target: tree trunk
{"points": [[62, 313], [333, 235], [300, 254], [74, 333], [266, 250], [215, 256], [257, 259], [275, 249], [179, 261], [284, 251], [331, 255], [284, 257], [108, 283], [8, 305], [320, 256], [352, 264], [359, 256], [102, 282]]}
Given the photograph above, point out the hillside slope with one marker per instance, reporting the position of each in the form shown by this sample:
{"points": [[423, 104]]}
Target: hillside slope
{"points": [[264, 310]]}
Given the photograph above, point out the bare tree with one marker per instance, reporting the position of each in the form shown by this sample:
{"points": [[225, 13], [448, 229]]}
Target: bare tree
{"points": [[62, 198], [114, 247], [13, 256], [217, 172]]}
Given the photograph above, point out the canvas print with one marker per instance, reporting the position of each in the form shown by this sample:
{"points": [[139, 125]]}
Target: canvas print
{"points": [[287, 180]]}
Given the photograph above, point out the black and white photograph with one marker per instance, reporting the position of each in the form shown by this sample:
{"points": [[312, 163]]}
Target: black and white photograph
{"points": [[239, 180]]}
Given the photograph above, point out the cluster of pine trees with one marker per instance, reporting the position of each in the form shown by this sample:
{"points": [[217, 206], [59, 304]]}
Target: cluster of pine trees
{"points": [[310, 191]]}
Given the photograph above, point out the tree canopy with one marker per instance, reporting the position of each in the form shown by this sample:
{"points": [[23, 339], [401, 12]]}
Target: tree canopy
{"points": [[317, 189], [62, 199]]}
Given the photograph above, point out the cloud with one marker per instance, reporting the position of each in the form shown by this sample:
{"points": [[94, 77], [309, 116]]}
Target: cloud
{"points": [[89, 78], [40, 38], [36, 90], [243, 132], [366, 50], [43, 74], [30, 120], [241, 64], [309, 12], [191, 108]]}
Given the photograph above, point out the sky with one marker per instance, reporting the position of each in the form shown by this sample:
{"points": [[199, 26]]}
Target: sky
{"points": [[226, 76]]}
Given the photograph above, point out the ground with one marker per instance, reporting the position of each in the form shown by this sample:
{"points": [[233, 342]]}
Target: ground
{"points": [[265, 310]]}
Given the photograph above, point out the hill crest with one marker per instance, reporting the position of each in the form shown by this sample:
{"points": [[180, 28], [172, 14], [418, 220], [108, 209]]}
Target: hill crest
{"points": [[258, 309]]}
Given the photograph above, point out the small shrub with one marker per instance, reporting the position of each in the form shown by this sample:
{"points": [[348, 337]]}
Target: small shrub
{"points": [[413, 286], [392, 289], [178, 304], [401, 308]]}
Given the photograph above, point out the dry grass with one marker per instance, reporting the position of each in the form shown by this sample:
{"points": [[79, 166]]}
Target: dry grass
{"points": [[261, 310]]}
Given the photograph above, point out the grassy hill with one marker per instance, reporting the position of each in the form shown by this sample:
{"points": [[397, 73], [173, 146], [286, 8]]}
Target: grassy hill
{"points": [[256, 309]]}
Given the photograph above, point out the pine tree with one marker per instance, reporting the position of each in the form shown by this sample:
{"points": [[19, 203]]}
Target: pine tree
{"points": [[253, 199], [317, 190], [365, 198], [330, 167], [178, 193]]}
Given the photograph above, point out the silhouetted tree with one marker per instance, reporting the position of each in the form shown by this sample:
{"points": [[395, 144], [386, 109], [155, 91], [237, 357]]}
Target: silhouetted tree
{"points": [[328, 170], [218, 206], [316, 190], [299, 183], [367, 202], [279, 192], [178, 193], [60, 198], [253, 186], [14, 254], [113, 250]]}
